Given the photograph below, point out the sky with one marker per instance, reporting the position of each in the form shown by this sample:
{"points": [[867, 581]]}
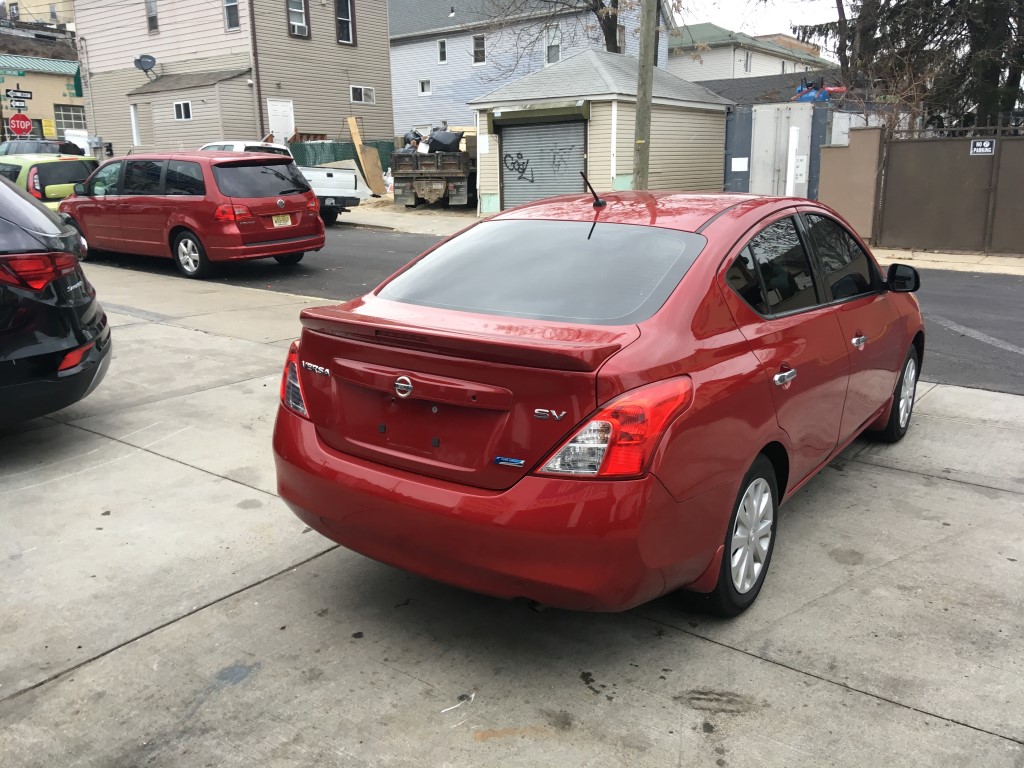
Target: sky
{"points": [[759, 17]]}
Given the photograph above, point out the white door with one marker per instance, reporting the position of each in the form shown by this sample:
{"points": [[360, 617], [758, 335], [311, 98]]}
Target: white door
{"points": [[769, 147], [281, 113]]}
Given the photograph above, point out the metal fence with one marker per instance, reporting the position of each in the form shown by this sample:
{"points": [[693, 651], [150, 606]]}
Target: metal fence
{"points": [[320, 152]]}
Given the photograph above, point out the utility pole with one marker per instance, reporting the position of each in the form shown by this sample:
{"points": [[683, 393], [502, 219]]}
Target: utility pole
{"points": [[644, 91]]}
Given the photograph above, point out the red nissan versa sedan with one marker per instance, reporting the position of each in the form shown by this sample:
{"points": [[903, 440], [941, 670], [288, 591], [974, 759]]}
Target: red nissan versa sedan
{"points": [[198, 208], [589, 406]]}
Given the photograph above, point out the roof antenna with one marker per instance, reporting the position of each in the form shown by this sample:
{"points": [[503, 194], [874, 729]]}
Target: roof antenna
{"points": [[598, 202]]}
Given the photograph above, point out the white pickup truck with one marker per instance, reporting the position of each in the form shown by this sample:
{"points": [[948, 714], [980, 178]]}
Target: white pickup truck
{"points": [[335, 188]]}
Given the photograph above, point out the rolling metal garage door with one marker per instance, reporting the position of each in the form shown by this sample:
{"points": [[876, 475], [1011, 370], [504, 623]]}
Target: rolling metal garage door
{"points": [[541, 160]]}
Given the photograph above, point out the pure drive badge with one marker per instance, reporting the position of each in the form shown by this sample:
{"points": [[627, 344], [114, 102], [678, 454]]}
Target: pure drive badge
{"points": [[507, 462]]}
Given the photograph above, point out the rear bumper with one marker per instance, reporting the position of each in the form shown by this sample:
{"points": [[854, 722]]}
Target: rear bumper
{"points": [[339, 202], [577, 544], [265, 249], [32, 399]]}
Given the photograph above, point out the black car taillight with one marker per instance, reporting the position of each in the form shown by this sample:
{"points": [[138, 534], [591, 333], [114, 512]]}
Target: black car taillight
{"points": [[35, 271]]}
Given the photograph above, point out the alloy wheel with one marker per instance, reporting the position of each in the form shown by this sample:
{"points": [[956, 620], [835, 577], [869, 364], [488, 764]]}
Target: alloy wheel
{"points": [[751, 535], [188, 255], [907, 392]]}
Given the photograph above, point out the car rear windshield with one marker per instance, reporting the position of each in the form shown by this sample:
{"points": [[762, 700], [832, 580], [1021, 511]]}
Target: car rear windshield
{"points": [[577, 272], [64, 172], [259, 179]]}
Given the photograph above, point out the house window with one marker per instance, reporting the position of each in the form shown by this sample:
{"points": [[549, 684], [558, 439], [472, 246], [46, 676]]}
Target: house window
{"points": [[479, 51], [68, 116], [231, 14], [53, 12], [346, 23], [442, 51], [151, 22], [783, 67], [553, 42], [183, 110], [620, 37], [748, 61], [133, 113], [361, 94], [13, 12], [298, 15], [424, 87]]}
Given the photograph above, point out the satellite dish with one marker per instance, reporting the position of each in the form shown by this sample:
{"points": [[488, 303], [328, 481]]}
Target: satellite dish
{"points": [[145, 62]]}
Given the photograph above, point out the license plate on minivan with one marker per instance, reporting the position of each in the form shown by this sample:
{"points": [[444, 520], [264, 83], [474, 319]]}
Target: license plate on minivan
{"points": [[282, 220]]}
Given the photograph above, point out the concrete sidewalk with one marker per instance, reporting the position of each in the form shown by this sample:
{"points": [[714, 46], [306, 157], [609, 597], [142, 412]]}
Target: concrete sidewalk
{"points": [[163, 608]]}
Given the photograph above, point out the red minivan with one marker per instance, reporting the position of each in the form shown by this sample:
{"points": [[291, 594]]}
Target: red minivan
{"points": [[199, 208]]}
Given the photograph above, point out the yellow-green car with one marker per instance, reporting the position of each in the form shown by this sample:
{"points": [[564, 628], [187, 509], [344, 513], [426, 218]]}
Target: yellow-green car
{"points": [[48, 178]]}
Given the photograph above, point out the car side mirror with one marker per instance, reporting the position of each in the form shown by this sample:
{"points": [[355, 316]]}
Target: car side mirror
{"points": [[79, 188], [903, 278]]}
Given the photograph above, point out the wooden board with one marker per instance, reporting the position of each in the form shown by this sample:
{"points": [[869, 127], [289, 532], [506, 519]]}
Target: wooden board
{"points": [[369, 160]]}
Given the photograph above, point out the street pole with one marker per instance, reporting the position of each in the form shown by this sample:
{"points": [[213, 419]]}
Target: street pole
{"points": [[644, 92]]}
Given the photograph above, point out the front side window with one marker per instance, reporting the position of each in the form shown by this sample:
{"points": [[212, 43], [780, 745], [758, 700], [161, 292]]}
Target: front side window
{"points": [[151, 21], [847, 269], [566, 271], [231, 14], [184, 178], [553, 45], [479, 51], [142, 177], [442, 51], [346, 22], [361, 94], [298, 18], [183, 110], [105, 180], [784, 267]]}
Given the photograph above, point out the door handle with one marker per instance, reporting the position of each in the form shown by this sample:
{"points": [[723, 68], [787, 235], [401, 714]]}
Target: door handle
{"points": [[784, 377], [859, 341]]}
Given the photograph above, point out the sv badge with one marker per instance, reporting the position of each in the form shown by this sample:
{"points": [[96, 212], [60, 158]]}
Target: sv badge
{"points": [[544, 413]]}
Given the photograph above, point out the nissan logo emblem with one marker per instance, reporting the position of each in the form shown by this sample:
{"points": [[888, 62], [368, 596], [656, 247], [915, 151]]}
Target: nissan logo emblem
{"points": [[280, 203], [403, 387]]}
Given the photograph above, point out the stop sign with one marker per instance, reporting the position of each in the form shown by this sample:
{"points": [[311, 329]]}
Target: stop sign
{"points": [[20, 124]]}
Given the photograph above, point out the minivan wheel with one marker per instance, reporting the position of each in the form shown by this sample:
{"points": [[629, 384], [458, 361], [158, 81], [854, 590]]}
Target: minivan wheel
{"points": [[902, 401], [289, 259], [190, 256], [749, 541]]}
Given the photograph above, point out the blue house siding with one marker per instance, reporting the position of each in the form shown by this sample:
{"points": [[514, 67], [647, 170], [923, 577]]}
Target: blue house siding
{"points": [[457, 81]]}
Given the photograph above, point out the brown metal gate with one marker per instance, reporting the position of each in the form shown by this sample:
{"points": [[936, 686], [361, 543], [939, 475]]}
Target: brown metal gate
{"points": [[938, 196]]}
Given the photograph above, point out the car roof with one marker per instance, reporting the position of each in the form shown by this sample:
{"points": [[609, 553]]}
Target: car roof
{"points": [[27, 158], [200, 155], [687, 212]]}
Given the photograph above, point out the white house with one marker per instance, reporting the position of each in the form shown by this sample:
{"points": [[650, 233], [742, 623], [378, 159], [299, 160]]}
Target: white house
{"points": [[700, 52]]}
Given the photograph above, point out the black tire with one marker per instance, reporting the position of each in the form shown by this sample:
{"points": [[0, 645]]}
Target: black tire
{"points": [[728, 600], [896, 427], [289, 259], [190, 256], [329, 215]]}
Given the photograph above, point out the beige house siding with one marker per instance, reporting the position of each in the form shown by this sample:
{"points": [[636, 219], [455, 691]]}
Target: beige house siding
{"points": [[624, 145], [176, 135], [237, 109], [599, 142], [316, 73], [488, 169], [190, 30], [687, 149], [716, 64]]}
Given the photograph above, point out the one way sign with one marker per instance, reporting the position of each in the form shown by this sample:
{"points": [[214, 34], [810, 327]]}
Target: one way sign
{"points": [[16, 94]]}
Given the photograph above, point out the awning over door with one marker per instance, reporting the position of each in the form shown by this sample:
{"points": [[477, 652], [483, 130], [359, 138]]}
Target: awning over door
{"points": [[541, 160]]}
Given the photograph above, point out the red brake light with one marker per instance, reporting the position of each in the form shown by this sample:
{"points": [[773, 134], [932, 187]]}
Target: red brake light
{"points": [[74, 357], [33, 183], [36, 270], [313, 205], [291, 387], [620, 439], [232, 213]]}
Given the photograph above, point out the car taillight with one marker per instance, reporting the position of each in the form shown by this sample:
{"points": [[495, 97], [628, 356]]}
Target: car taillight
{"points": [[232, 213], [620, 439], [291, 387], [33, 184], [313, 205], [74, 357], [36, 270]]}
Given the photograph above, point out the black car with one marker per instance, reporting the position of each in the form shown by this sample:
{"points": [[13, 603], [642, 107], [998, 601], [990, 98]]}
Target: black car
{"points": [[39, 147], [54, 338]]}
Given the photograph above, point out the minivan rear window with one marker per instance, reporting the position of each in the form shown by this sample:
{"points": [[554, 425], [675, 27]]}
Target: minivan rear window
{"points": [[64, 172], [569, 271], [259, 179]]}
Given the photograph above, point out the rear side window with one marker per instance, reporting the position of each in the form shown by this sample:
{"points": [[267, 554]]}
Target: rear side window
{"points": [[848, 270], [784, 267], [269, 150], [742, 278], [10, 172], [608, 274], [259, 179], [64, 172], [184, 178], [142, 177]]}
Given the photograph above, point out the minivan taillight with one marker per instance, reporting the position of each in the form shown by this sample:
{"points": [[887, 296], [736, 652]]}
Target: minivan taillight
{"points": [[36, 270], [34, 188], [313, 205], [232, 213], [620, 439], [291, 387]]}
